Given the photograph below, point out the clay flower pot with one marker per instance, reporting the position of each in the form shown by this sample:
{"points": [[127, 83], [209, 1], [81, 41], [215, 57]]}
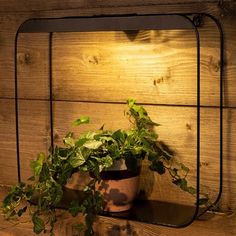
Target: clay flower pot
{"points": [[119, 187]]}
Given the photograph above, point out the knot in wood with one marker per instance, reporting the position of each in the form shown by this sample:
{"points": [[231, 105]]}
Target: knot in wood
{"points": [[214, 65], [188, 126], [27, 58], [158, 81]]}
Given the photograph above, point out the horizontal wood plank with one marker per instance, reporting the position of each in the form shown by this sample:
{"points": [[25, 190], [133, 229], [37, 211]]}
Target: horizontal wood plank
{"points": [[55, 5], [177, 130], [210, 63], [8, 163], [95, 62], [111, 67], [110, 226], [32, 56], [139, 68], [8, 28]]}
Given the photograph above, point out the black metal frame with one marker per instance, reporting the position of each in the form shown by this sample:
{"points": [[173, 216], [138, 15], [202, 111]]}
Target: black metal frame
{"points": [[130, 22]]}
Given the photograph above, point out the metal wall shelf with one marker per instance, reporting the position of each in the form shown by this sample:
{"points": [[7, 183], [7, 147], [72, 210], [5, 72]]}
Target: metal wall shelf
{"points": [[154, 212]]}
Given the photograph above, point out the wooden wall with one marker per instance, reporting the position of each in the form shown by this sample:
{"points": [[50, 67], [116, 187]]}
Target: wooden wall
{"points": [[158, 67]]}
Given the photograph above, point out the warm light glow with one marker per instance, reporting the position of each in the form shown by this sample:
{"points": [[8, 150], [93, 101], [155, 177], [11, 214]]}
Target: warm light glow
{"points": [[136, 64]]}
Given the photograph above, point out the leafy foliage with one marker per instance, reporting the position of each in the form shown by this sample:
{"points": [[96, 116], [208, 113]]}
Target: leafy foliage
{"points": [[93, 152]]}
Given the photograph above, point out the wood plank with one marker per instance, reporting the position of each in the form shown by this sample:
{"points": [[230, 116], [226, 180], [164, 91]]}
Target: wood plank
{"points": [[33, 54], [110, 226], [55, 5], [177, 130], [8, 27], [8, 173], [204, 227], [121, 65], [35, 141], [89, 69], [210, 63], [110, 67], [34, 135]]}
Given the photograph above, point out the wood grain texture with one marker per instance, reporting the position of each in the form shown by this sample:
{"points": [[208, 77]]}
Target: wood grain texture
{"points": [[8, 164], [140, 68], [210, 65], [9, 22], [34, 126], [111, 67], [32, 56], [108, 226], [8, 28], [55, 5], [85, 69]]}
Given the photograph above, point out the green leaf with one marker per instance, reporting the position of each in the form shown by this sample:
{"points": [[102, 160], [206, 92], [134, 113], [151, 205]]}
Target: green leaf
{"points": [[44, 174], [107, 139], [66, 173], [104, 162], [107, 161], [57, 193], [74, 208], [69, 141], [38, 224], [63, 153], [92, 144], [192, 190], [118, 135], [32, 178], [21, 211], [182, 183], [78, 159], [37, 165], [184, 168], [80, 142], [90, 135], [203, 201], [158, 167], [81, 120], [177, 182], [131, 163]]}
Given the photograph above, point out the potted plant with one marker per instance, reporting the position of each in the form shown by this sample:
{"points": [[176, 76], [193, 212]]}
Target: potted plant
{"points": [[98, 153]]}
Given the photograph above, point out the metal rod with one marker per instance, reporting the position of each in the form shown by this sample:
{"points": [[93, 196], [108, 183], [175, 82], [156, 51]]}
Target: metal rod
{"points": [[17, 111], [194, 216], [51, 91], [219, 27], [198, 120]]}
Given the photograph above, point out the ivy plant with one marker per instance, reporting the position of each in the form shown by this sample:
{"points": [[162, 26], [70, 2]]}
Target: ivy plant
{"points": [[93, 152]]}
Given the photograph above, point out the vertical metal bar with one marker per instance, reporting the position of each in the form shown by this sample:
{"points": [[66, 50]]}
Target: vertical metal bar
{"points": [[221, 104], [198, 117], [221, 111], [16, 110], [198, 121], [221, 107], [51, 90]]}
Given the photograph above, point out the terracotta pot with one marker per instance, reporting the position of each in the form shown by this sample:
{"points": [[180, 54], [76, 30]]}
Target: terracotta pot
{"points": [[119, 187]]}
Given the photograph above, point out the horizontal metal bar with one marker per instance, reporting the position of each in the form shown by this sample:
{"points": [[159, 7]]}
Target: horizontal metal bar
{"points": [[85, 24]]}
